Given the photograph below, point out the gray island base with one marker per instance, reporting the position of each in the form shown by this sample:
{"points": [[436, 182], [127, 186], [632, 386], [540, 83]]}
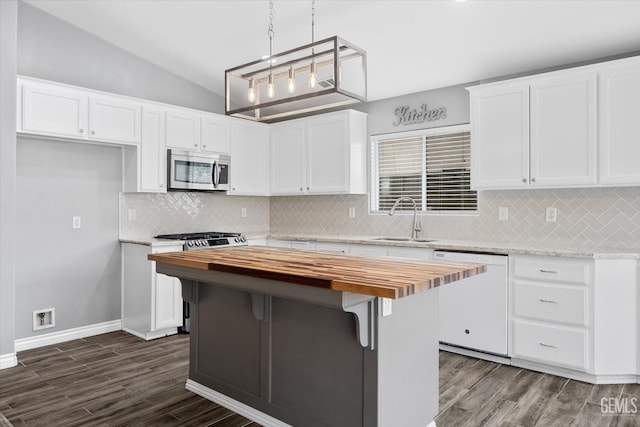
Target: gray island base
{"points": [[309, 339], [284, 354]]}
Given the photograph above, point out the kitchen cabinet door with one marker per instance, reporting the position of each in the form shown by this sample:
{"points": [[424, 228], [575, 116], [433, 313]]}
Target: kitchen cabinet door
{"points": [[183, 130], [249, 159], [328, 154], [500, 136], [153, 151], [336, 153], [215, 134], [52, 110], [288, 160], [619, 93], [114, 120], [563, 130], [168, 302]]}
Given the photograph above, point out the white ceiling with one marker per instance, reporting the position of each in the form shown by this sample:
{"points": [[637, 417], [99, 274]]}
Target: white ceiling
{"points": [[411, 45]]}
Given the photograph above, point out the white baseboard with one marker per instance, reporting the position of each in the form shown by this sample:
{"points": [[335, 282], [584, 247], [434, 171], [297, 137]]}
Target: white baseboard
{"points": [[8, 360], [573, 374], [232, 404], [67, 335], [152, 335], [477, 354]]}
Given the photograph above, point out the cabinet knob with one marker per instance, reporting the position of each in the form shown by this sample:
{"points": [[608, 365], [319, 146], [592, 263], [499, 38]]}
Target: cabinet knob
{"points": [[307, 188], [204, 146], [301, 189], [161, 185], [81, 130], [93, 132], [233, 188], [524, 180], [533, 180], [195, 145]]}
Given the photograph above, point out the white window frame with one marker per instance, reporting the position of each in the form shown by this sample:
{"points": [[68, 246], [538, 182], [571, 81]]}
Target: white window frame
{"points": [[374, 177]]}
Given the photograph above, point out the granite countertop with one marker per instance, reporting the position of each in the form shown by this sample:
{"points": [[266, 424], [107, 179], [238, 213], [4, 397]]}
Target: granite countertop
{"points": [[473, 246]]}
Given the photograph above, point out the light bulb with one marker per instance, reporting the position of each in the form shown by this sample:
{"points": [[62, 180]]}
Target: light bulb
{"points": [[313, 75], [271, 88], [291, 87], [251, 93]]}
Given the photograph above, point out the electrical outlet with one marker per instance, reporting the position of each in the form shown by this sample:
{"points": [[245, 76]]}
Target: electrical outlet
{"points": [[243, 212], [386, 306], [43, 319], [76, 222], [551, 215], [503, 213], [352, 212], [132, 214]]}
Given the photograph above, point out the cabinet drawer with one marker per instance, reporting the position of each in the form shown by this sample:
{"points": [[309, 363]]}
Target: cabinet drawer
{"points": [[552, 344], [556, 303], [552, 269]]}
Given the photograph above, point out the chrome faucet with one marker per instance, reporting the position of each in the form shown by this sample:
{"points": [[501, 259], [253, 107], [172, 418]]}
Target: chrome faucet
{"points": [[416, 224]]}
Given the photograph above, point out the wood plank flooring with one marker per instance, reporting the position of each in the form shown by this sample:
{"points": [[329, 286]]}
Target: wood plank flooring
{"points": [[117, 379]]}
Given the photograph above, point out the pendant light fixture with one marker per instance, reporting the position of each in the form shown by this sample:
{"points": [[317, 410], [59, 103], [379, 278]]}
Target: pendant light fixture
{"points": [[333, 72]]}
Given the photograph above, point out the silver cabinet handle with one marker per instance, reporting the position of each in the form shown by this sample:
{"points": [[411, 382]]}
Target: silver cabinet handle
{"points": [[548, 271], [547, 301], [524, 180], [547, 345]]}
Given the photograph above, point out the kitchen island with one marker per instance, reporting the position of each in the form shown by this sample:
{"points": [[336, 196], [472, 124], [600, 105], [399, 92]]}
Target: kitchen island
{"points": [[291, 337]]}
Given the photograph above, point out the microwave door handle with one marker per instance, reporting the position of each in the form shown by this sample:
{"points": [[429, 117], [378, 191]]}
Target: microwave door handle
{"points": [[216, 174]]}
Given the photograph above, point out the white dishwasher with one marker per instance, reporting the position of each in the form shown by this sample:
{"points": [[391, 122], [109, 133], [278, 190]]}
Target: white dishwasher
{"points": [[473, 311]]}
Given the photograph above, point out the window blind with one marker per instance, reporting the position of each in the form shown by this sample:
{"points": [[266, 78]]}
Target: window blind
{"points": [[433, 168]]}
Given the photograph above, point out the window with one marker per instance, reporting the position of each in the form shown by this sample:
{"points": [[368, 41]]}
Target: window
{"points": [[431, 166]]}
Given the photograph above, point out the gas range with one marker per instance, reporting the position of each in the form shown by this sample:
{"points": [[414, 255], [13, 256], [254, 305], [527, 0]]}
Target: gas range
{"points": [[205, 240]]}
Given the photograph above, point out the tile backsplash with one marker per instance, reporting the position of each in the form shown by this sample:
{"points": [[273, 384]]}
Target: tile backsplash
{"points": [[586, 218], [184, 212]]}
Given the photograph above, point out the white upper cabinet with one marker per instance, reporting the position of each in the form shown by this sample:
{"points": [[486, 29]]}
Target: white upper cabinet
{"points": [[500, 136], [52, 110], [250, 158], [183, 130], [535, 132], [115, 120], [323, 154], [57, 110], [288, 158], [152, 157], [215, 134], [563, 130], [619, 93]]}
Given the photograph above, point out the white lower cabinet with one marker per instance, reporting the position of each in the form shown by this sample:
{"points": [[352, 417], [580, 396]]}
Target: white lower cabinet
{"points": [[575, 317], [151, 302]]}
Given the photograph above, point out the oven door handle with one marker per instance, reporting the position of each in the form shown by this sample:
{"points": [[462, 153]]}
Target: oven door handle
{"points": [[216, 174]]}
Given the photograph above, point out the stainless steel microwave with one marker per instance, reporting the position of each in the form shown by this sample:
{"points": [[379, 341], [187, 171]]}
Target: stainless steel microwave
{"points": [[187, 170]]}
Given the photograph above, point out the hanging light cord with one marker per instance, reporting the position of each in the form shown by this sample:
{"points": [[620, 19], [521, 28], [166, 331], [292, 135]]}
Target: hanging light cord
{"points": [[313, 21], [270, 32]]}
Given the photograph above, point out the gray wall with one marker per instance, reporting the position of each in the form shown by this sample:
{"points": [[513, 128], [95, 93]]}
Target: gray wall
{"points": [[382, 113], [51, 49], [8, 28], [76, 271]]}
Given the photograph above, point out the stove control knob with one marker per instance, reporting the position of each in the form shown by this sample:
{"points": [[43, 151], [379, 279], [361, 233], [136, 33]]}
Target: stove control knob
{"points": [[205, 243], [236, 240], [243, 239]]}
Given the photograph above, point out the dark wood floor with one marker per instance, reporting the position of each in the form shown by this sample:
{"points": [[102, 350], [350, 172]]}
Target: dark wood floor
{"points": [[119, 380]]}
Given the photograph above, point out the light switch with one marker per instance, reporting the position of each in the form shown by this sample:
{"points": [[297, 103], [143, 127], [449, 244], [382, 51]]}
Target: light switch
{"points": [[503, 213], [76, 222], [551, 214]]}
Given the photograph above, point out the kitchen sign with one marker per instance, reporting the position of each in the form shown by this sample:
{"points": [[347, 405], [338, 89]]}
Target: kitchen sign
{"points": [[410, 116]]}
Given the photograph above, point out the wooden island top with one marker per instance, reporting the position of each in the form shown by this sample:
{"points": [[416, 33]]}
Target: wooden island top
{"points": [[374, 276]]}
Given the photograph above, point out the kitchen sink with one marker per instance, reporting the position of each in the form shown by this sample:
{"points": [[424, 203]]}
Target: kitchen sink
{"points": [[402, 239]]}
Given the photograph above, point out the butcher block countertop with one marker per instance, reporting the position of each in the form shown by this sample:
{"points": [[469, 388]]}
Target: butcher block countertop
{"points": [[374, 276]]}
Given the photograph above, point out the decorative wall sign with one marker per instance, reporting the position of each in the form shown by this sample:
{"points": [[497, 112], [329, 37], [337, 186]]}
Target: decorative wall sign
{"points": [[410, 116]]}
